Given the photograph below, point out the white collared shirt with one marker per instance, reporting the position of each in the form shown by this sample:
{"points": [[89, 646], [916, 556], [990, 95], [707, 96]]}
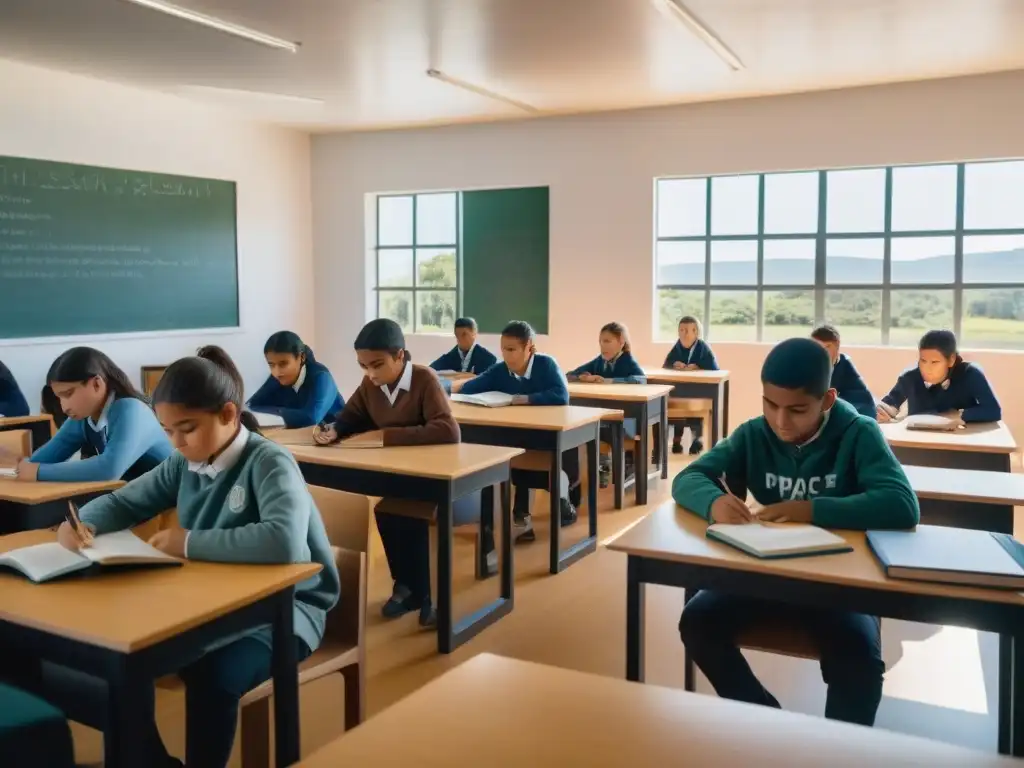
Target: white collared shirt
{"points": [[465, 357], [405, 382], [301, 380], [529, 369], [225, 460], [100, 425]]}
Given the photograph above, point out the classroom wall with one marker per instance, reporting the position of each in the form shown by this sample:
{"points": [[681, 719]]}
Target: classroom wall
{"points": [[601, 168], [59, 116]]}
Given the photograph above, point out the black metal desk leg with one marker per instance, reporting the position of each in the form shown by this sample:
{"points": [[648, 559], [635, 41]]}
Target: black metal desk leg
{"points": [[663, 438], [725, 409], [641, 455], [618, 437], [126, 739], [285, 672], [555, 491], [592, 451], [1016, 695], [506, 540], [486, 534], [1004, 705], [634, 621], [445, 623]]}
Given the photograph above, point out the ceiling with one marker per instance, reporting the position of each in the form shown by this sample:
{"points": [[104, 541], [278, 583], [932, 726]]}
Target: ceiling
{"points": [[362, 63]]}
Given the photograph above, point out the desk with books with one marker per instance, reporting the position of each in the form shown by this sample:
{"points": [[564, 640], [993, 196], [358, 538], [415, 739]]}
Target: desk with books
{"points": [[39, 426], [669, 547], [29, 506], [711, 385], [973, 446]]}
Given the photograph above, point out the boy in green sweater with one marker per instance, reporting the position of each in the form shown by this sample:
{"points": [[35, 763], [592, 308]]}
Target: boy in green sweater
{"points": [[811, 458]]}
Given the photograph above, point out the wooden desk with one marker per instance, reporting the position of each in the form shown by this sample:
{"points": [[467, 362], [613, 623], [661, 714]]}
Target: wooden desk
{"points": [[648, 404], [439, 474], [967, 498], [131, 628], [548, 428], [40, 426], [712, 385], [670, 547], [974, 446], [29, 506]]}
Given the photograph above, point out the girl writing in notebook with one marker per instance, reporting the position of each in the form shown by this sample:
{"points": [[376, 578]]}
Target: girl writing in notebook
{"points": [[12, 401], [240, 499], [299, 389]]}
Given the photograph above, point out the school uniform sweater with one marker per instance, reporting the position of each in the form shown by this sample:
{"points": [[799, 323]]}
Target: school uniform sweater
{"points": [[126, 442], [543, 382], [250, 505], [624, 369], [313, 399], [699, 354], [12, 401], [847, 471], [967, 390], [847, 381], [480, 360]]}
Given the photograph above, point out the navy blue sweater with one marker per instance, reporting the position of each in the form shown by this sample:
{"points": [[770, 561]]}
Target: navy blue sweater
{"points": [[12, 401], [624, 369], [847, 381], [316, 401], [545, 384], [480, 360], [699, 354], [968, 391]]}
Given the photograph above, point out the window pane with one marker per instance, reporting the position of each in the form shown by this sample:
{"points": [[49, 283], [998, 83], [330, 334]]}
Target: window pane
{"points": [[789, 262], [682, 207], [734, 205], [788, 314], [914, 312], [856, 201], [734, 262], [394, 220], [674, 304], [857, 314], [733, 316], [922, 259], [993, 318], [394, 267], [996, 259], [790, 203], [994, 195], [435, 267], [924, 197], [681, 262], [435, 219], [854, 261], [437, 311], [396, 305]]}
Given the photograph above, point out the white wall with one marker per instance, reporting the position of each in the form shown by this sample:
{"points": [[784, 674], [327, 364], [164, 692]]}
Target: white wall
{"points": [[58, 116]]}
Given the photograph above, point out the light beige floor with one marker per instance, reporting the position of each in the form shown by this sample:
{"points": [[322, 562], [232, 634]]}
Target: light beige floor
{"points": [[941, 681]]}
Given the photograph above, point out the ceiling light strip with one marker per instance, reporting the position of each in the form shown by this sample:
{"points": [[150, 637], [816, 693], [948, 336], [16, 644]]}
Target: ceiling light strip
{"points": [[439, 75], [701, 30], [219, 24]]}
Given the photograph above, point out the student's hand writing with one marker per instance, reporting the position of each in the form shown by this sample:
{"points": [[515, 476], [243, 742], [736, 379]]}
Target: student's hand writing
{"points": [[27, 471], [69, 539], [170, 541], [520, 400], [679, 366], [596, 379], [729, 509], [325, 436], [883, 415], [587, 378], [457, 385], [787, 512]]}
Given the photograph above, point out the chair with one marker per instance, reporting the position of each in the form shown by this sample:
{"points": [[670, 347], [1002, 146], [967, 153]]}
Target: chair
{"points": [[343, 649], [151, 375], [33, 732], [690, 408], [17, 441]]}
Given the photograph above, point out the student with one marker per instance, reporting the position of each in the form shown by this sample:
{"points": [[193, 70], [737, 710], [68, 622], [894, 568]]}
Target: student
{"points": [[811, 458], [614, 365], [466, 356], [240, 499], [532, 379], [690, 353], [108, 420], [299, 390], [405, 405], [846, 380], [12, 401], [942, 382]]}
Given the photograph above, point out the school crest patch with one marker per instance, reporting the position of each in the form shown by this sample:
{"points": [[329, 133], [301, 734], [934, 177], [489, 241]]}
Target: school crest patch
{"points": [[236, 499]]}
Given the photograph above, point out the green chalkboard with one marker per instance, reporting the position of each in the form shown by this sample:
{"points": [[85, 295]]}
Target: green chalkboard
{"points": [[88, 250], [505, 243]]}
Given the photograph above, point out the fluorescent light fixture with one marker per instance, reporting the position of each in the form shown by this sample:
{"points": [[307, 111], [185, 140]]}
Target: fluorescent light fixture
{"points": [[677, 10], [253, 97], [439, 75], [214, 23]]}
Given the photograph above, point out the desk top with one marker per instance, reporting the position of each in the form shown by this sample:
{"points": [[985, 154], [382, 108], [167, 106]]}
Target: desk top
{"points": [[605, 722], [627, 393], [41, 493], [131, 610], [549, 418], [973, 485], [18, 421], [976, 438], [671, 533], [685, 377]]}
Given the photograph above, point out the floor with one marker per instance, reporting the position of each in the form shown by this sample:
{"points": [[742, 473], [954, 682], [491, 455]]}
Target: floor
{"points": [[941, 681]]}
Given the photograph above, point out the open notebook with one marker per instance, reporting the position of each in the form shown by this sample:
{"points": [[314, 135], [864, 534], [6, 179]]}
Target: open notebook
{"points": [[931, 422], [43, 562], [775, 540], [8, 473], [486, 399], [267, 420]]}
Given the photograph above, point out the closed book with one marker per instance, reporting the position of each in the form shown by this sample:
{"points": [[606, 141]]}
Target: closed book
{"points": [[486, 399], [951, 556], [930, 422], [778, 540]]}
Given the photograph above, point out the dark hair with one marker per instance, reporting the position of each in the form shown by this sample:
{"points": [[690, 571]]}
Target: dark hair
{"points": [[826, 333], [519, 329], [466, 322], [51, 405], [206, 382], [798, 364], [941, 341], [5, 374], [382, 335], [289, 343], [79, 364], [691, 320], [619, 330]]}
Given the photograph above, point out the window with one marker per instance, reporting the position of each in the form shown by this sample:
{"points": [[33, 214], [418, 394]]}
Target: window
{"points": [[883, 253]]}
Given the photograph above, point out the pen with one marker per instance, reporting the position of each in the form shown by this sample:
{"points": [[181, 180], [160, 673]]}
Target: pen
{"points": [[83, 533]]}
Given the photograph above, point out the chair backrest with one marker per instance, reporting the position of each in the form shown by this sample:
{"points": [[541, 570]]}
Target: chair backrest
{"points": [[346, 517], [151, 375], [17, 441]]}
